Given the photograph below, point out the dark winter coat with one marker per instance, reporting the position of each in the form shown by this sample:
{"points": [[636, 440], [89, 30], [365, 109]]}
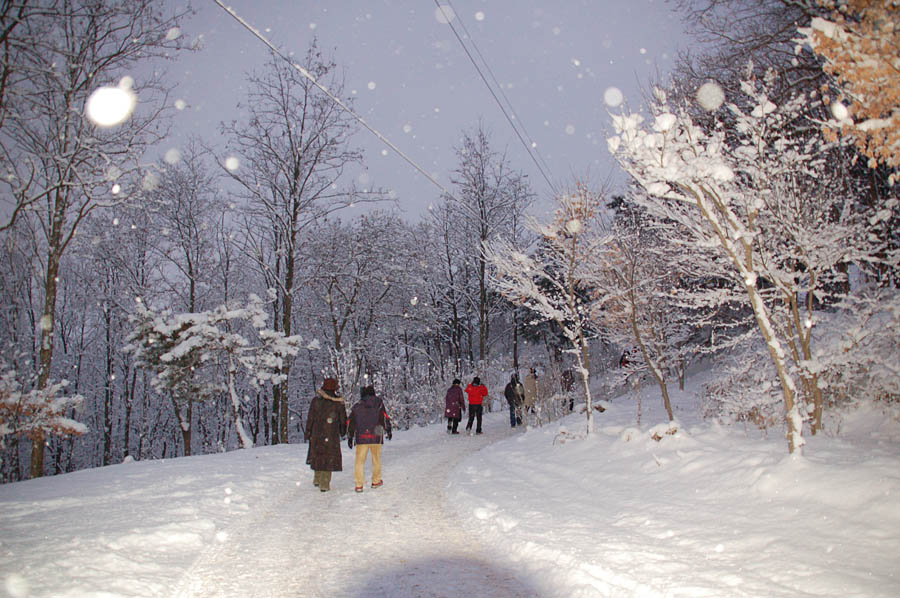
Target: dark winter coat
{"points": [[513, 393], [455, 404], [326, 424], [369, 421]]}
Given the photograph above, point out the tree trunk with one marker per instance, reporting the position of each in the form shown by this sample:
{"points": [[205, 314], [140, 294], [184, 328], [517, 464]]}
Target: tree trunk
{"points": [[48, 318], [245, 439], [516, 340]]}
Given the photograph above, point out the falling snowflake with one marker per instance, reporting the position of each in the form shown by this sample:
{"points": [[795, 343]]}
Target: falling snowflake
{"points": [[232, 163], [180, 104], [839, 111], [710, 96], [479, 16], [574, 226], [570, 129], [371, 85], [111, 106], [613, 96], [172, 156], [150, 181]]}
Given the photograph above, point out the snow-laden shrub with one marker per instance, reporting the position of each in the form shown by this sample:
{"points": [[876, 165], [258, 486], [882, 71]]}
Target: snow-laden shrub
{"points": [[859, 355]]}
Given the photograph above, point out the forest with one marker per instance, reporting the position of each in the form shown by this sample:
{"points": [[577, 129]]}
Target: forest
{"points": [[193, 305]]}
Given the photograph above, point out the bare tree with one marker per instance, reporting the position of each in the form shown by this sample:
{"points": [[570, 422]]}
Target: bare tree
{"points": [[59, 165], [490, 192], [293, 151]]}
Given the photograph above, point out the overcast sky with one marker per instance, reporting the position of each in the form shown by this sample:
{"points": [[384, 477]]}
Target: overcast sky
{"points": [[556, 59]]}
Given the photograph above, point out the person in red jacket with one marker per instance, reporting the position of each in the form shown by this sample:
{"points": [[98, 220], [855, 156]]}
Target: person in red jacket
{"points": [[477, 393]]}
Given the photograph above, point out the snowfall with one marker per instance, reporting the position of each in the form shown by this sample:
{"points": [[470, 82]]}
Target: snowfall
{"points": [[630, 510]]}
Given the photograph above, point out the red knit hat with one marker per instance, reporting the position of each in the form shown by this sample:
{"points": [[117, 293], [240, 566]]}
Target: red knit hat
{"points": [[330, 384]]}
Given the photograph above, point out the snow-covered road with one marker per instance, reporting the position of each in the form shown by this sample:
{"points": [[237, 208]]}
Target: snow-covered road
{"points": [[401, 540]]}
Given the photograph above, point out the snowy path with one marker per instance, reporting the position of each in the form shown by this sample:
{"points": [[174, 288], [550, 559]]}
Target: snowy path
{"points": [[400, 540]]}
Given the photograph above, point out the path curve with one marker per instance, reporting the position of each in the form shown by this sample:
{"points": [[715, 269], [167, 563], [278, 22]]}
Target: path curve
{"points": [[401, 540]]}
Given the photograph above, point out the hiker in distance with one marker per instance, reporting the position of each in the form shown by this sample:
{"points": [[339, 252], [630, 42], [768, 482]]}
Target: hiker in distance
{"points": [[369, 423], [514, 398], [477, 393], [326, 424], [454, 406]]}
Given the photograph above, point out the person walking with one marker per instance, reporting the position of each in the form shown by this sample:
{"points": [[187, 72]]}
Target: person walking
{"points": [[369, 423], [531, 390], [477, 392], [514, 399], [455, 406], [326, 424]]}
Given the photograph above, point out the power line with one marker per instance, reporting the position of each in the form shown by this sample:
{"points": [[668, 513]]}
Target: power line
{"points": [[334, 98], [509, 119], [519, 121]]}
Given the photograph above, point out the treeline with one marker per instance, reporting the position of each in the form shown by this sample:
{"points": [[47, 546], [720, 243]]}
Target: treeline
{"points": [[195, 304]]}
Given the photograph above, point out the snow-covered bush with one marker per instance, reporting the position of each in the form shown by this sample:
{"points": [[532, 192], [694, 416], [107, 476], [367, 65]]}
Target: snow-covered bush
{"points": [[36, 413], [754, 189], [196, 356]]}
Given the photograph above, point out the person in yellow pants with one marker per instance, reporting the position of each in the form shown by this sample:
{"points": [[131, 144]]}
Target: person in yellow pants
{"points": [[367, 426]]}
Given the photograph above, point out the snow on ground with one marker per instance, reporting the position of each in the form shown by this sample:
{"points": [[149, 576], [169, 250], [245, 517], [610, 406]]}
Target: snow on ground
{"points": [[708, 511]]}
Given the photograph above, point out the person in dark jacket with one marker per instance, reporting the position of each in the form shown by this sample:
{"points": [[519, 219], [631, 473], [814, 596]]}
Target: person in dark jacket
{"points": [[369, 423], [513, 393], [477, 393], [326, 424], [455, 406]]}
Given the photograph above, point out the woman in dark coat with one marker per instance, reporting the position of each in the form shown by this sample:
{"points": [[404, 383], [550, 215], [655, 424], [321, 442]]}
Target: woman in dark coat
{"points": [[455, 404], [326, 424]]}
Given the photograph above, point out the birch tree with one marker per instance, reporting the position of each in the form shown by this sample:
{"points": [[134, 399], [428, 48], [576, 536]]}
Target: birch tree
{"points": [[553, 283], [760, 199]]}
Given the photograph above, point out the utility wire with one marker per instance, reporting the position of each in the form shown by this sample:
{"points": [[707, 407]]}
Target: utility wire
{"points": [[519, 121], [509, 119], [334, 98]]}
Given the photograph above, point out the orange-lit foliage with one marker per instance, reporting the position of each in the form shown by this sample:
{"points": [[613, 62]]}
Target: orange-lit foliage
{"points": [[36, 413], [861, 46]]}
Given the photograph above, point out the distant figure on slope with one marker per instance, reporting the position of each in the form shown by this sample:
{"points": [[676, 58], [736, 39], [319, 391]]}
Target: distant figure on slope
{"points": [[369, 423], [477, 393], [455, 405], [326, 424], [515, 400]]}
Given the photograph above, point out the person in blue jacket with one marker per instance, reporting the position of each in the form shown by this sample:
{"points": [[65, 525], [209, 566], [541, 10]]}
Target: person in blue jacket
{"points": [[367, 426]]}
